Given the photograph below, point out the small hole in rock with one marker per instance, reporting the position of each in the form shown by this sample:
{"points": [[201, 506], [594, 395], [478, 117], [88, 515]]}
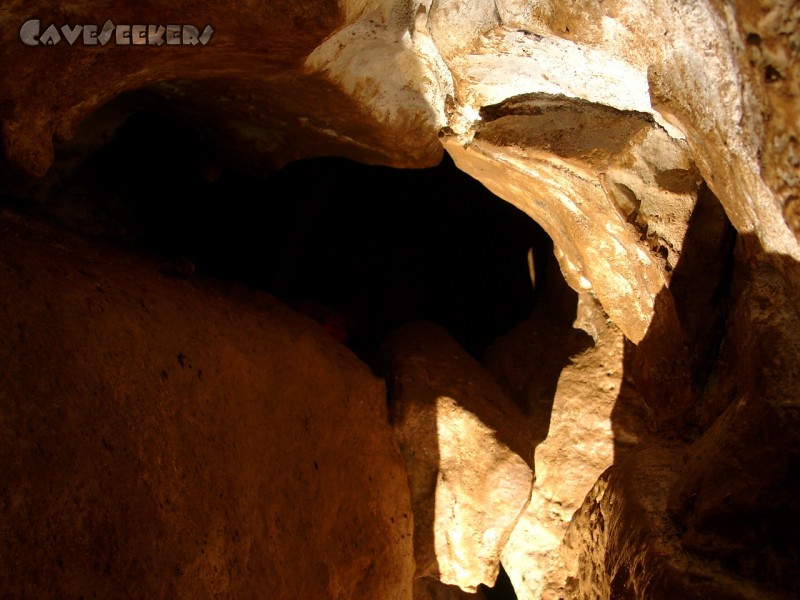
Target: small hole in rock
{"points": [[502, 590], [771, 74]]}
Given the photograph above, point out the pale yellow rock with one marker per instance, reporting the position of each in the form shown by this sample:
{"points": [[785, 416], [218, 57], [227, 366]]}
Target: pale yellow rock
{"points": [[597, 250], [465, 448], [582, 435]]}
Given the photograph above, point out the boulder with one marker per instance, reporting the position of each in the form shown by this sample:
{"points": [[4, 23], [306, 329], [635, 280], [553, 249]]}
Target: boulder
{"points": [[165, 438], [466, 450]]}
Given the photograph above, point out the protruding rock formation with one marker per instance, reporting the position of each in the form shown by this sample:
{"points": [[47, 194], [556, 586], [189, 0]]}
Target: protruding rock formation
{"points": [[466, 453], [639, 133], [583, 416]]}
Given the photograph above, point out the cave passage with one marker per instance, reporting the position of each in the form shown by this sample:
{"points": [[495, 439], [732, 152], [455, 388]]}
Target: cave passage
{"points": [[361, 248]]}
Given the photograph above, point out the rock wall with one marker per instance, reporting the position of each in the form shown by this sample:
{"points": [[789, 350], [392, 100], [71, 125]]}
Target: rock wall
{"points": [[622, 126], [164, 438], [585, 417], [502, 83]]}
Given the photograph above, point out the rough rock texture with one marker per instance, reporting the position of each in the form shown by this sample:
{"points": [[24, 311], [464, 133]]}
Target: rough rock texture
{"points": [[164, 438], [715, 517], [622, 544], [277, 78], [377, 80], [771, 32], [466, 455], [738, 498], [583, 414], [626, 278], [660, 55], [616, 124]]}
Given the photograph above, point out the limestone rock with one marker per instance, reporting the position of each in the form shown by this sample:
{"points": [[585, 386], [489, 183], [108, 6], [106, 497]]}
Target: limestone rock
{"points": [[612, 123], [162, 437], [738, 497], [376, 81], [583, 415], [717, 517], [466, 449], [278, 79], [742, 130]]}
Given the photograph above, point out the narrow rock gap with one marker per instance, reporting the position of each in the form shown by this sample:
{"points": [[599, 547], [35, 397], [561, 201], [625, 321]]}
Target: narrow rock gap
{"points": [[502, 589]]}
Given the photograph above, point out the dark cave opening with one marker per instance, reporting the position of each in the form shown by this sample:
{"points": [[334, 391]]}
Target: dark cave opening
{"points": [[502, 590], [360, 248]]}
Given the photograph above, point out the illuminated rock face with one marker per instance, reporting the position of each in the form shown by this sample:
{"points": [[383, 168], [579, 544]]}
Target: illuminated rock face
{"points": [[465, 451], [570, 407], [618, 125], [155, 445]]}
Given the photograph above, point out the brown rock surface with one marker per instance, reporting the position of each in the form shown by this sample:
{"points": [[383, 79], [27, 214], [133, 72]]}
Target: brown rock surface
{"points": [[621, 126], [738, 498], [466, 449], [163, 438], [270, 105], [621, 543]]}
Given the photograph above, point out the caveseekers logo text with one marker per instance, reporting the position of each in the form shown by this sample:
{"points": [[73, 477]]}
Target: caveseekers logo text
{"points": [[31, 34]]}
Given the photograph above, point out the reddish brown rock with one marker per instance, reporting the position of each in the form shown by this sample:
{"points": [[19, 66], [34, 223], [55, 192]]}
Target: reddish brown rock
{"points": [[598, 118], [270, 106], [164, 438], [622, 543]]}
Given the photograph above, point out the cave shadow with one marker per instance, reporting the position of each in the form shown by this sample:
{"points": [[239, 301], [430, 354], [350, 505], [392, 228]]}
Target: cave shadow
{"points": [[546, 339], [528, 361], [666, 374], [374, 246], [552, 341], [733, 501], [738, 499], [362, 249]]}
